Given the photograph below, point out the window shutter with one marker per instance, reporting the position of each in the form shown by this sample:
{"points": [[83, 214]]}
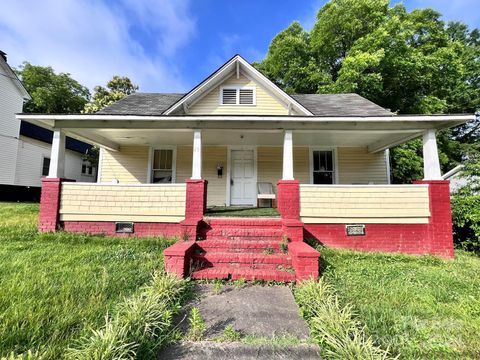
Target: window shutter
{"points": [[229, 96], [246, 96]]}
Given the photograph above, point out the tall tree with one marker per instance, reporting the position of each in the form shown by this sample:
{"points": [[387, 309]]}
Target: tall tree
{"points": [[51, 92], [409, 62], [117, 88]]}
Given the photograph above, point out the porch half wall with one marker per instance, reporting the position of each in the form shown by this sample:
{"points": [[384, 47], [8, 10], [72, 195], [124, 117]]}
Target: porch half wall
{"points": [[130, 165]]}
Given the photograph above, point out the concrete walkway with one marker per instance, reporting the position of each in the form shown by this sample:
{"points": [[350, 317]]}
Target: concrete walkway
{"points": [[268, 314]]}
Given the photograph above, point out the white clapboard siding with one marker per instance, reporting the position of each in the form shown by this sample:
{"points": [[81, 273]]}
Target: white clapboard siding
{"points": [[11, 102], [30, 161]]}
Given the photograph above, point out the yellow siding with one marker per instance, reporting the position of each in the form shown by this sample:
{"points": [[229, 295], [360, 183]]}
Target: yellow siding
{"points": [[364, 204], [212, 155], [184, 163], [129, 165], [270, 163], [266, 103], [357, 166], [156, 203]]}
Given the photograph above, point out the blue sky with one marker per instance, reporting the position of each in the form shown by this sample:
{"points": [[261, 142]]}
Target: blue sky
{"points": [[162, 45]]}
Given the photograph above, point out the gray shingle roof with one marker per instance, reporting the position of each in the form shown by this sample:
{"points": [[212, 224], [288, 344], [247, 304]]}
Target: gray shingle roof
{"points": [[340, 105], [318, 104], [142, 104]]}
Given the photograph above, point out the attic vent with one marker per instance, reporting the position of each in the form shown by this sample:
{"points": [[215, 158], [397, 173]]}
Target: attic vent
{"points": [[237, 96], [229, 96], [124, 227], [246, 96]]}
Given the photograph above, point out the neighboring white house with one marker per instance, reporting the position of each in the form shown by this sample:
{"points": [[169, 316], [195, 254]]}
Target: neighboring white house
{"points": [[25, 149]]}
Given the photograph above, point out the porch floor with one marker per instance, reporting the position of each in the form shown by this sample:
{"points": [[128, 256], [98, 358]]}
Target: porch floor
{"points": [[236, 211]]}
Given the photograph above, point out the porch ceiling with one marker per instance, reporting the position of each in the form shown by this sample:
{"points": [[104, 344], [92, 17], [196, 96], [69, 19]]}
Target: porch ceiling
{"points": [[328, 138]]}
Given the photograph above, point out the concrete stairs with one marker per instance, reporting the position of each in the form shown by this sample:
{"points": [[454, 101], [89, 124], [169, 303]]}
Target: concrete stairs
{"points": [[248, 248]]}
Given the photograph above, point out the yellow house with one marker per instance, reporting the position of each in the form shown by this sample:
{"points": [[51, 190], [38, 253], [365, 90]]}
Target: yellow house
{"points": [[237, 139]]}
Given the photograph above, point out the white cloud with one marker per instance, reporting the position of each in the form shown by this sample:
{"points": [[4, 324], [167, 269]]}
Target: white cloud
{"points": [[94, 41]]}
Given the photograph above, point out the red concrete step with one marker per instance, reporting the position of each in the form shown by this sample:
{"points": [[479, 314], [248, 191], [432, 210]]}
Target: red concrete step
{"points": [[226, 272], [242, 246], [244, 234], [249, 259]]}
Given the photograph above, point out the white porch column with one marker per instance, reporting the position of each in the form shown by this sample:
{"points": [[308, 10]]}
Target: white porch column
{"points": [[431, 163], [287, 156], [57, 155], [197, 155]]}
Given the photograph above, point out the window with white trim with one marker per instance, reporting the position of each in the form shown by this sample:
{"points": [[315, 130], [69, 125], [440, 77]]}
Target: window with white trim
{"points": [[323, 167], [237, 96], [162, 167]]}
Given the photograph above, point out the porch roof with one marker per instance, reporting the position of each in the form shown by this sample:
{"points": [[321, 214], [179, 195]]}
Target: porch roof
{"points": [[375, 132]]}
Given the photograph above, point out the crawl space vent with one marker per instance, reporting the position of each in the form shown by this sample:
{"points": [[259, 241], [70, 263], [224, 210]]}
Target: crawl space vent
{"points": [[124, 227]]}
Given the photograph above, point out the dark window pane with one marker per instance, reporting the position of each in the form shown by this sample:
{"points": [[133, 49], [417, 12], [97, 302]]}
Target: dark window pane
{"points": [[45, 166], [162, 176], [323, 178], [90, 170], [316, 160], [329, 160]]}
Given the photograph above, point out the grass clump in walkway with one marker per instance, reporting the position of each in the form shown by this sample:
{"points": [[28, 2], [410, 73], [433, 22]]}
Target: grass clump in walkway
{"points": [[332, 325]]}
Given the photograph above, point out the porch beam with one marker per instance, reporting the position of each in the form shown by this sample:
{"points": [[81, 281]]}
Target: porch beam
{"points": [[57, 155], [382, 145], [197, 155], [95, 139], [431, 163], [216, 122], [287, 173]]}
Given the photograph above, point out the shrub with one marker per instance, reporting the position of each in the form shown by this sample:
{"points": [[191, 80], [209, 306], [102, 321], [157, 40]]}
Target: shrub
{"points": [[466, 210], [332, 326], [141, 325]]}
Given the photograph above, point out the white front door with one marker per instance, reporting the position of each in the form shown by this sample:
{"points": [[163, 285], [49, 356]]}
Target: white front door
{"points": [[242, 183]]}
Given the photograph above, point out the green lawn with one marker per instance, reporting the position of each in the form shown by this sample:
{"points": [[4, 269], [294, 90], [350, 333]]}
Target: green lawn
{"points": [[55, 287], [418, 307]]}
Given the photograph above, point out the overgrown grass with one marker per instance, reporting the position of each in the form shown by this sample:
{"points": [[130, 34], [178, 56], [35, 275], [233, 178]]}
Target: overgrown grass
{"points": [[333, 326], [141, 325], [54, 287], [418, 307]]}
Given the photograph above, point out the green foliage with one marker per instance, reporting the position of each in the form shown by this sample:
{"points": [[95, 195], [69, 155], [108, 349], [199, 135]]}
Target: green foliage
{"points": [[141, 325], [54, 287], [117, 88], [409, 62], [334, 326], [217, 287], [268, 251], [240, 283], [419, 307], [51, 92], [197, 327], [230, 335], [466, 209]]}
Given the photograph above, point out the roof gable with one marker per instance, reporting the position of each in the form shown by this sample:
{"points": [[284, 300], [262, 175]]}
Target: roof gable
{"points": [[10, 74], [236, 66]]}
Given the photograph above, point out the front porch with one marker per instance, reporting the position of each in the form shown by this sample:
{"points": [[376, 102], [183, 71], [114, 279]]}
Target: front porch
{"points": [[330, 183]]}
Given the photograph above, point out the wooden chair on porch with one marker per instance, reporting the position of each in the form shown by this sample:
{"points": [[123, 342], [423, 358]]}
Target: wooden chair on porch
{"points": [[265, 191]]}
